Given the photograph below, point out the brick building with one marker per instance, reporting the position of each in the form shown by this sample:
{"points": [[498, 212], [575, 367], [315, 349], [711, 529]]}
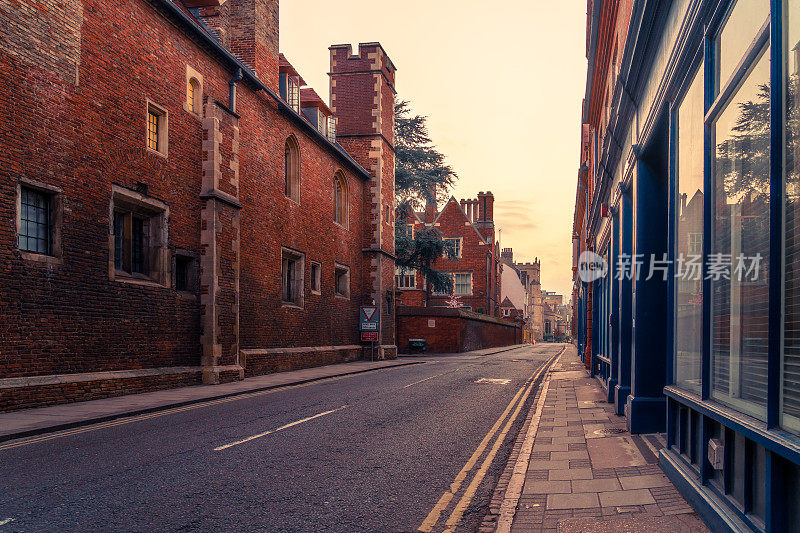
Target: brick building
{"points": [[175, 207], [468, 228]]}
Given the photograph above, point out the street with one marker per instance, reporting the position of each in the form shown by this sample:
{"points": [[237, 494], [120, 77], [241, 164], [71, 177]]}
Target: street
{"points": [[369, 452]]}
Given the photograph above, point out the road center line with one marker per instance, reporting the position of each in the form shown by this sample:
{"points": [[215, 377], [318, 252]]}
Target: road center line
{"points": [[270, 432], [422, 380], [5, 521]]}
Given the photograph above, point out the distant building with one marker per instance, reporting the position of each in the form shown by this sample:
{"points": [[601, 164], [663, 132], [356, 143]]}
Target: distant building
{"points": [[468, 230]]}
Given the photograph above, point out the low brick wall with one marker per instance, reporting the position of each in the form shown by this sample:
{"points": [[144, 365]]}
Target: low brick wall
{"points": [[258, 362], [41, 391], [448, 330]]}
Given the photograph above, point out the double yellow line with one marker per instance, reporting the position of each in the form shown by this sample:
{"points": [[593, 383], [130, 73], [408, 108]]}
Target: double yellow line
{"points": [[458, 511]]}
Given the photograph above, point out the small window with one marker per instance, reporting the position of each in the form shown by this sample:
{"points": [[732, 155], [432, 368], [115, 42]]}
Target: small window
{"points": [[36, 221], [341, 200], [462, 284], [332, 129], [139, 238], [186, 273], [453, 244], [291, 169], [342, 281], [405, 278], [294, 93], [292, 271], [316, 277], [156, 129], [194, 96]]}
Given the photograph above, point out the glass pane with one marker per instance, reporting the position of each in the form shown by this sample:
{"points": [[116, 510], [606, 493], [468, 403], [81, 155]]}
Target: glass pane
{"points": [[737, 34], [688, 237], [740, 249], [791, 360]]}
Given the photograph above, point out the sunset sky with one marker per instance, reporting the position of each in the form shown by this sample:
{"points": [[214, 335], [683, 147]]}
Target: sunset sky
{"points": [[501, 85]]}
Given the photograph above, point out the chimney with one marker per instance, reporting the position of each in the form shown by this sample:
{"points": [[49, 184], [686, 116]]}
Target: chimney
{"points": [[507, 256], [251, 33], [430, 210], [486, 201]]}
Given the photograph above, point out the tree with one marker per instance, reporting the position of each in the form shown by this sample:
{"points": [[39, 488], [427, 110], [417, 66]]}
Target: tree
{"points": [[421, 174]]}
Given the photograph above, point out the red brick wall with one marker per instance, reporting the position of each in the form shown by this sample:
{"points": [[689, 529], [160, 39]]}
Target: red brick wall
{"points": [[79, 124], [453, 330]]}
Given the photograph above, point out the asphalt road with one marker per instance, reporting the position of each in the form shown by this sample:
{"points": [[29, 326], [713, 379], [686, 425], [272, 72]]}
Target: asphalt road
{"points": [[368, 452]]}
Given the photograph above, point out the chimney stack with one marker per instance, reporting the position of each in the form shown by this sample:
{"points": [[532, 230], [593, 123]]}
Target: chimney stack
{"points": [[249, 29]]}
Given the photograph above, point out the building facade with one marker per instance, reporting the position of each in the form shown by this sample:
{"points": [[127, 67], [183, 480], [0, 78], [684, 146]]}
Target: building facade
{"points": [[687, 189], [177, 208], [468, 230]]}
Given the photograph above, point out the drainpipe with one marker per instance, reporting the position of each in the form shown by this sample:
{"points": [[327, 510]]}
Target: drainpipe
{"points": [[232, 89]]}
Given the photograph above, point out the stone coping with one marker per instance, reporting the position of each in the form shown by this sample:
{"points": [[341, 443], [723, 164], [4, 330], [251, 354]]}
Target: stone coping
{"points": [[303, 349], [453, 312], [58, 379]]}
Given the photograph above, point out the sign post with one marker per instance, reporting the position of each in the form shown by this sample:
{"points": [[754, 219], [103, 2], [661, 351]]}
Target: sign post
{"points": [[369, 321]]}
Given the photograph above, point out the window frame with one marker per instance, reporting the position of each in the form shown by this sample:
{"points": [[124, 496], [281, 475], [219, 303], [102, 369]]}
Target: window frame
{"points": [[162, 128], [459, 246], [315, 278], [292, 165], [296, 300], [55, 220], [341, 206], [341, 268], [401, 274]]}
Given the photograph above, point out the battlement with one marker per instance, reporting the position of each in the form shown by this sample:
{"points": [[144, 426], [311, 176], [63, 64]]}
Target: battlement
{"points": [[370, 57]]}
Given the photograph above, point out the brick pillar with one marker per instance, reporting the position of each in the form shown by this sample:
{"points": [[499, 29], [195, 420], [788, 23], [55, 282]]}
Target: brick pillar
{"points": [[249, 28], [362, 99], [220, 240]]}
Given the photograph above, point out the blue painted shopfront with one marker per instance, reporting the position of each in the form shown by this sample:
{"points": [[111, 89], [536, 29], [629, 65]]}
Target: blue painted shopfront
{"points": [[711, 178]]}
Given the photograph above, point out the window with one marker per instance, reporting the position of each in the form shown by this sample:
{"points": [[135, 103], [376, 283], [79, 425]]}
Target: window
{"points": [[36, 221], [405, 278], [156, 128], [332, 129], [292, 270], [293, 93], [139, 237], [462, 284], [741, 178], [341, 200], [291, 169], [316, 277], [342, 280], [194, 96], [689, 236], [410, 231], [790, 397], [453, 245]]}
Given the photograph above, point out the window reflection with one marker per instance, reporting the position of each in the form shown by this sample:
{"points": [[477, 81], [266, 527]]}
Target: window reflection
{"points": [[737, 34], [741, 228], [791, 361], [689, 237]]}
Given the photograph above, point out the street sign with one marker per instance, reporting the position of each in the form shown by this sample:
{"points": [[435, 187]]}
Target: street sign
{"points": [[369, 336], [369, 319]]}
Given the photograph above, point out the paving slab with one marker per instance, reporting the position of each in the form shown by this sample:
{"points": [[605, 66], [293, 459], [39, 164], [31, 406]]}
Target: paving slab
{"points": [[614, 452], [645, 482], [626, 497], [639, 523], [580, 500]]}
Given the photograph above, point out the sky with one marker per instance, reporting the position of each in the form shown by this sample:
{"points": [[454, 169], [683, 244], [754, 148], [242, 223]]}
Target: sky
{"points": [[501, 84]]}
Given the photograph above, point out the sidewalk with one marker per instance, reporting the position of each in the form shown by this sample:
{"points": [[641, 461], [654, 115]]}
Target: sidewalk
{"points": [[28, 422], [484, 351], [576, 468]]}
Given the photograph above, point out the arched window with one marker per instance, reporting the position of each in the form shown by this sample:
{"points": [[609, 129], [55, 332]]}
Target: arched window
{"points": [[291, 168], [341, 197], [194, 96]]}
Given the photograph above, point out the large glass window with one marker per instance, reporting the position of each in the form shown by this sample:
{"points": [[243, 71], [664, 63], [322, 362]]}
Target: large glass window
{"points": [[738, 32], [791, 361], [689, 237], [738, 264]]}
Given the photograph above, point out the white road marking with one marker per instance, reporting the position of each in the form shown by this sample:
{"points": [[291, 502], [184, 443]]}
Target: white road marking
{"points": [[5, 521], [270, 432], [496, 381], [420, 381]]}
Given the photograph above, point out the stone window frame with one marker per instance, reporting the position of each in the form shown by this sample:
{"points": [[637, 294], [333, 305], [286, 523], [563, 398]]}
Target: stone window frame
{"points": [[292, 165], [192, 274], [315, 278], [341, 219], [163, 128], [459, 245], [55, 257], [159, 272], [194, 107], [298, 302], [341, 269]]}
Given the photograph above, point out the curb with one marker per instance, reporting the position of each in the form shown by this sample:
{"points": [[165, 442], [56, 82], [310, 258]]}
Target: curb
{"points": [[503, 505], [166, 407], [501, 349]]}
